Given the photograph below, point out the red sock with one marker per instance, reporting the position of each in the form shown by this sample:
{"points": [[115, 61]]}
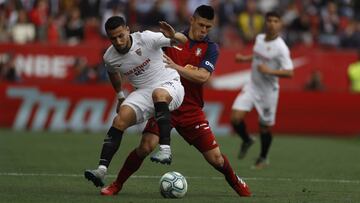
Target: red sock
{"points": [[131, 165], [228, 172]]}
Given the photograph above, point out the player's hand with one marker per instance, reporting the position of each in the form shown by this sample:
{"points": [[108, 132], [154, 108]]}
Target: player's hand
{"points": [[170, 63], [240, 57], [262, 68], [120, 101], [166, 29]]}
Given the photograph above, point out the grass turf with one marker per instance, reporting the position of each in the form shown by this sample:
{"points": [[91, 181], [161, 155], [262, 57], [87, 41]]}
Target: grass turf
{"points": [[48, 167]]}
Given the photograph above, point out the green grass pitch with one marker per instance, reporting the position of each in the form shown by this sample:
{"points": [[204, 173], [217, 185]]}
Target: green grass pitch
{"points": [[48, 167]]}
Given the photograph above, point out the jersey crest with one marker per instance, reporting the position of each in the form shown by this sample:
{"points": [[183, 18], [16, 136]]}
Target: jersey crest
{"points": [[138, 51], [198, 52]]}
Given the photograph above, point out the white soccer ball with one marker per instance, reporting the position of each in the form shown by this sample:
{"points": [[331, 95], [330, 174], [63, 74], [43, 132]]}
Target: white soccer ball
{"points": [[173, 185]]}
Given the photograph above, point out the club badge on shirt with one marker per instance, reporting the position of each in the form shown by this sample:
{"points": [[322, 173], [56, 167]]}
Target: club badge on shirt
{"points": [[138, 51], [198, 52]]}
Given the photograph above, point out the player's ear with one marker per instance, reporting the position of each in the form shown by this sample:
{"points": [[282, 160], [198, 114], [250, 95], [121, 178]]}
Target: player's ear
{"points": [[192, 20]]}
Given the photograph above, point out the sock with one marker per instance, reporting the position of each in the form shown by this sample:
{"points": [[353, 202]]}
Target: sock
{"points": [[228, 172], [162, 117], [240, 129], [110, 146], [266, 139], [131, 165]]}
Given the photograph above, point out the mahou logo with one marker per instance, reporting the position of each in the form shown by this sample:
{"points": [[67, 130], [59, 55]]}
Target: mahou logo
{"points": [[41, 108]]}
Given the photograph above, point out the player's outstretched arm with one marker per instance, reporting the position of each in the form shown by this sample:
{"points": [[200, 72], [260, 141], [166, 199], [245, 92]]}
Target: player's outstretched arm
{"points": [[243, 58], [190, 72], [115, 79], [169, 32], [280, 72]]}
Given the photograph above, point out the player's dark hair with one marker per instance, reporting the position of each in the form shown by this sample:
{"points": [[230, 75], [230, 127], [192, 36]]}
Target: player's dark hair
{"points": [[114, 22], [205, 11], [272, 14]]}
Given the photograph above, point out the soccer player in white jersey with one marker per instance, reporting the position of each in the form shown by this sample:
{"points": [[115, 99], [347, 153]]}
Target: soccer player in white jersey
{"points": [[158, 90], [270, 60]]}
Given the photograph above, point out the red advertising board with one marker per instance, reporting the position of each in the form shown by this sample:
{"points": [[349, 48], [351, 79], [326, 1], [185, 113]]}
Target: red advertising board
{"points": [[92, 108]]}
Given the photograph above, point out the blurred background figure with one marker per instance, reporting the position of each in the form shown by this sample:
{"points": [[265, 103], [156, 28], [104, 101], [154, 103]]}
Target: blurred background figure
{"points": [[23, 31], [250, 22], [315, 82], [329, 25], [354, 75], [7, 68]]}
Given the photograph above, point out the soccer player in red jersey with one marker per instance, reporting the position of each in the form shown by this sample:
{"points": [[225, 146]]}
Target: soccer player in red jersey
{"points": [[194, 61]]}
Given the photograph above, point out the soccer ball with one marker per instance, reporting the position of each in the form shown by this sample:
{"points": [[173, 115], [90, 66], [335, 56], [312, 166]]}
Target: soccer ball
{"points": [[173, 185]]}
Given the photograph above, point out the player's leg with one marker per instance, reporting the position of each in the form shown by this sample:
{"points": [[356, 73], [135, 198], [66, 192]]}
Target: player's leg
{"points": [[132, 163], [126, 117], [209, 148], [199, 135], [241, 106], [266, 109], [161, 99], [166, 98], [266, 140]]}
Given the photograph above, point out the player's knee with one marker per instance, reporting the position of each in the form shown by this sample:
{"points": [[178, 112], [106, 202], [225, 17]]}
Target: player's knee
{"points": [[147, 145], [161, 95], [119, 123], [217, 161], [236, 117]]}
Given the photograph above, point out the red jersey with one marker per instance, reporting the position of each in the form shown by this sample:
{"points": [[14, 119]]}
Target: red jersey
{"points": [[202, 54]]}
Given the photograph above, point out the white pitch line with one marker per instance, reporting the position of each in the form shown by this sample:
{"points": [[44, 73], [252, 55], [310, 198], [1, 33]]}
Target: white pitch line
{"points": [[314, 180]]}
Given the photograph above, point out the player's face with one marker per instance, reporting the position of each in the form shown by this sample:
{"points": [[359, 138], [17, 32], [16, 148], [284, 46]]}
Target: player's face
{"points": [[273, 25], [200, 27], [120, 38]]}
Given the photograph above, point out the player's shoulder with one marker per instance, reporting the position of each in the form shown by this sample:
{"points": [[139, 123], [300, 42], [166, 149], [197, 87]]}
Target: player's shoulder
{"points": [[109, 53], [211, 45], [260, 36], [282, 44]]}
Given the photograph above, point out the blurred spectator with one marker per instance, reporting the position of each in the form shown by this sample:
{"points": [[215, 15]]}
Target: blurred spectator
{"points": [[113, 8], [329, 25], [299, 30], [82, 72], [39, 16], [151, 21], [250, 22], [350, 38], [315, 82], [23, 31], [90, 8], [354, 75], [74, 27], [227, 21], [7, 68]]}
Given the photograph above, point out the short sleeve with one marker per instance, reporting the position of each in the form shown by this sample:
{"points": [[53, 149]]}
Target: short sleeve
{"points": [[285, 59], [210, 58], [156, 39]]}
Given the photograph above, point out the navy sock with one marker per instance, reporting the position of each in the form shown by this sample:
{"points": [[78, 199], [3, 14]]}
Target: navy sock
{"points": [[240, 129], [266, 139], [110, 146], [162, 117]]}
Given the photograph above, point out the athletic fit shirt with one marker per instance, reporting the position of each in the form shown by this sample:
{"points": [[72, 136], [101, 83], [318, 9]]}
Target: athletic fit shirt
{"points": [[274, 54], [202, 54], [143, 65]]}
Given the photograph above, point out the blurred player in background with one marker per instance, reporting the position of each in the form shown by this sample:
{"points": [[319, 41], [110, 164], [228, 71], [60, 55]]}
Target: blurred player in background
{"points": [[195, 61], [139, 58], [270, 60]]}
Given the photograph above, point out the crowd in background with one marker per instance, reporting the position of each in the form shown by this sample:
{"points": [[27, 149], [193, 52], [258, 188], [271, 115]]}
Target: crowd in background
{"points": [[320, 23], [309, 22]]}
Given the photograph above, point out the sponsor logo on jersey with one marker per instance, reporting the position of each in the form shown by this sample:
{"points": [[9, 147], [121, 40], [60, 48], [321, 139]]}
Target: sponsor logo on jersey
{"points": [[138, 51], [198, 52], [208, 63], [138, 70]]}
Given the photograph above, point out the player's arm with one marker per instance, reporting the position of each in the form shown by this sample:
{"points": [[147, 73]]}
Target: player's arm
{"points": [[243, 58], [285, 73], [286, 66], [169, 32], [189, 72], [115, 79]]}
